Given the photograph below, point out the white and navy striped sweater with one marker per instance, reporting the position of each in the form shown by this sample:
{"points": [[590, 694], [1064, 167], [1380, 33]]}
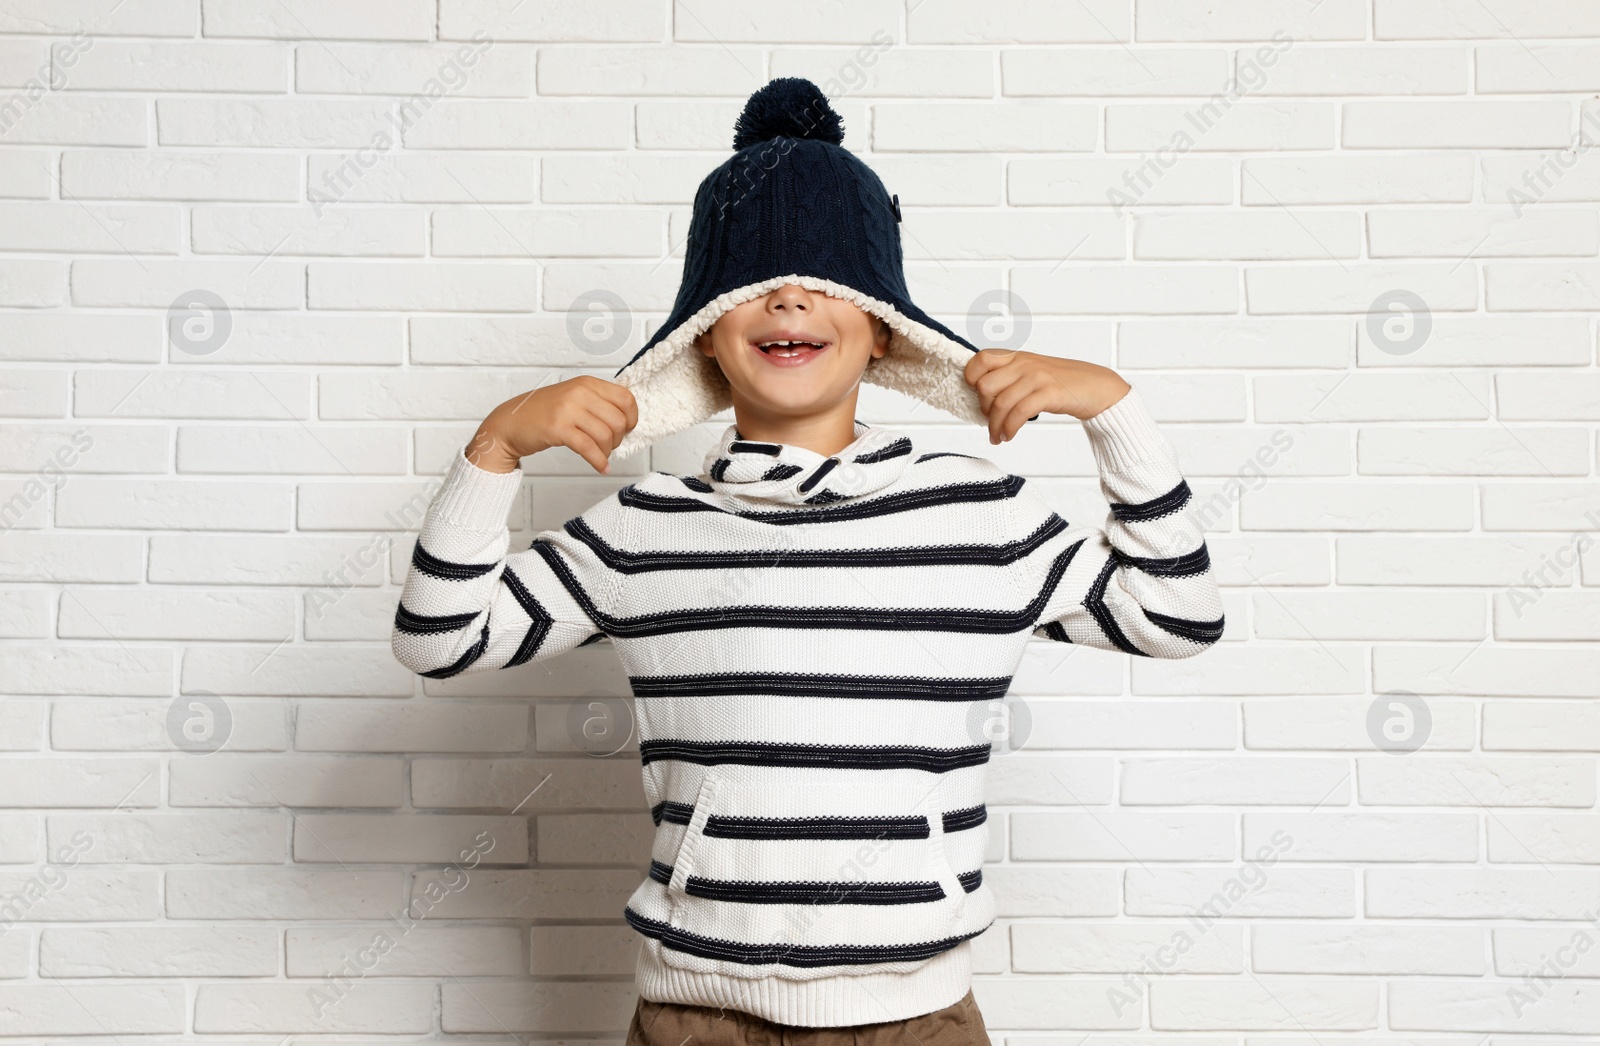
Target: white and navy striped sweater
{"points": [[807, 640]]}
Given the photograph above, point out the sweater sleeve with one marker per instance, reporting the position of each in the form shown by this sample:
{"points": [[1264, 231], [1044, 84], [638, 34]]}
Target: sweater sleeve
{"points": [[468, 606], [1142, 584]]}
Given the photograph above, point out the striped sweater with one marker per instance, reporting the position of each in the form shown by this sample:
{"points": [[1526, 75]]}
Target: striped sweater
{"points": [[814, 645]]}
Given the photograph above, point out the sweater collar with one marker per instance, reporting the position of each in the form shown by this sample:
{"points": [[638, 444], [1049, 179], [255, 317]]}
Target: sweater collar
{"points": [[795, 475]]}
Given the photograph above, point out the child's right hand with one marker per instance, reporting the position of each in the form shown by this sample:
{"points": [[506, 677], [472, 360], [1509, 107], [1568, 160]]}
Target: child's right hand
{"points": [[587, 414]]}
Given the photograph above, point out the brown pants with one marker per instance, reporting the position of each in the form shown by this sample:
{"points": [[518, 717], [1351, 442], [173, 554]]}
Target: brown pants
{"points": [[674, 1024]]}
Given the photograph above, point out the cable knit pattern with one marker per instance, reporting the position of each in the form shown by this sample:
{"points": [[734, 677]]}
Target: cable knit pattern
{"points": [[812, 678]]}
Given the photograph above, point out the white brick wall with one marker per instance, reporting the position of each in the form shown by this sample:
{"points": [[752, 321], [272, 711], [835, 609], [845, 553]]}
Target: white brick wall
{"points": [[397, 201]]}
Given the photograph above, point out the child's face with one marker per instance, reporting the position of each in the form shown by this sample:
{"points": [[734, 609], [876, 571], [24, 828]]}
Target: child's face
{"points": [[797, 380]]}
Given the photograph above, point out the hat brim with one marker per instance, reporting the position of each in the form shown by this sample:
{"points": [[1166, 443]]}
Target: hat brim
{"points": [[677, 386]]}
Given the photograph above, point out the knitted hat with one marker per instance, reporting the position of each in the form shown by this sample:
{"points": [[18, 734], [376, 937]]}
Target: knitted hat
{"points": [[791, 205]]}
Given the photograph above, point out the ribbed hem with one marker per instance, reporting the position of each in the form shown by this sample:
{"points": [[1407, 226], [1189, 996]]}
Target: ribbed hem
{"points": [[475, 498], [1126, 436], [828, 1002]]}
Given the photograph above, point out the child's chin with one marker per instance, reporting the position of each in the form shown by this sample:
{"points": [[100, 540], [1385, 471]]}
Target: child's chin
{"points": [[793, 397]]}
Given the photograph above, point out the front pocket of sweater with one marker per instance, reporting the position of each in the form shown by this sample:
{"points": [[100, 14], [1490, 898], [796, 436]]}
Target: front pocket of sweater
{"points": [[805, 879]]}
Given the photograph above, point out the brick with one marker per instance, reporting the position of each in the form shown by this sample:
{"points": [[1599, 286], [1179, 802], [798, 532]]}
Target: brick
{"points": [[1354, 288], [264, 338], [1037, 180], [1563, 395], [26, 174], [140, 725], [336, 231], [486, 951], [173, 505], [132, 283], [980, 127], [1358, 506], [414, 839], [1205, 235], [1487, 670], [1390, 70], [268, 450], [1219, 125], [805, 21], [545, 232], [620, 179], [297, 671], [1467, 20], [1542, 285], [33, 393], [151, 613], [1536, 68], [56, 119], [1392, 613], [522, 125], [1251, 20], [1340, 724], [93, 1009], [673, 69], [596, 21], [1212, 1004], [83, 229], [466, 70], [109, 783], [32, 284], [273, 123], [179, 176], [179, 951], [60, 558], [1100, 72], [477, 178], [1142, 289], [384, 726], [302, 19], [1456, 125], [1370, 950], [1019, 21], [192, 394], [183, 838], [1423, 178], [458, 287], [1541, 726], [271, 781], [878, 69], [134, 18], [1243, 342], [1447, 451], [206, 67]]}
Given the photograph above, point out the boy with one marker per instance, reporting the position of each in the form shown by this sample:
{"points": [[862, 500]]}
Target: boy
{"points": [[815, 628]]}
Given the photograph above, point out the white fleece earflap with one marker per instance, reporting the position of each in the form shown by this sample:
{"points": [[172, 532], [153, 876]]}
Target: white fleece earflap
{"points": [[676, 386]]}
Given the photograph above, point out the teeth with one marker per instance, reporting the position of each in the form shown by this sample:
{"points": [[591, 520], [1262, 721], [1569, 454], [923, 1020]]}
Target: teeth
{"points": [[768, 345]]}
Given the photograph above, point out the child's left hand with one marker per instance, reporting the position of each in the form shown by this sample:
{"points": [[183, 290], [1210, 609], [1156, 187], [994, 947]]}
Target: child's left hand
{"points": [[1013, 386]]}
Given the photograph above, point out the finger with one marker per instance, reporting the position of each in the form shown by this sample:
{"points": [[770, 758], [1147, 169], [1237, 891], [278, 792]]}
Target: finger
{"points": [[597, 429], [985, 360], [1023, 411], [1006, 399], [995, 382], [586, 448], [624, 399], [612, 415]]}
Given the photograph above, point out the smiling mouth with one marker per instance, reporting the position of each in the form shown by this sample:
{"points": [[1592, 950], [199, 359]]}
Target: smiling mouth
{"points": [[788, 348]]}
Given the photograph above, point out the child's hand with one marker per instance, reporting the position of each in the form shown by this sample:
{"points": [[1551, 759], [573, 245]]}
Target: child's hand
{"points": [[587, 414], [1014, 386]]}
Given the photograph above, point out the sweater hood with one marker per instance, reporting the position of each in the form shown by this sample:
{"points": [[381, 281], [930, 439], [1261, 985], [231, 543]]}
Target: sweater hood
{"points": [[796, 475], [791, 206]]}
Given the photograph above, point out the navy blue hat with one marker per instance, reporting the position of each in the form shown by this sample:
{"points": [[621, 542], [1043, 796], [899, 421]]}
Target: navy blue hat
{"points": [[791, 205]]}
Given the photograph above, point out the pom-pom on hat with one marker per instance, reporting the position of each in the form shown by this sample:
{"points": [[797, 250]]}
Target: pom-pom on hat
{"points": [[791, 205]]}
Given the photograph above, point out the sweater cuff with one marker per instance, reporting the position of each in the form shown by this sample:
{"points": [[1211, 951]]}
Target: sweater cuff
{"points": [[1125, 435], [476, 498]]}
